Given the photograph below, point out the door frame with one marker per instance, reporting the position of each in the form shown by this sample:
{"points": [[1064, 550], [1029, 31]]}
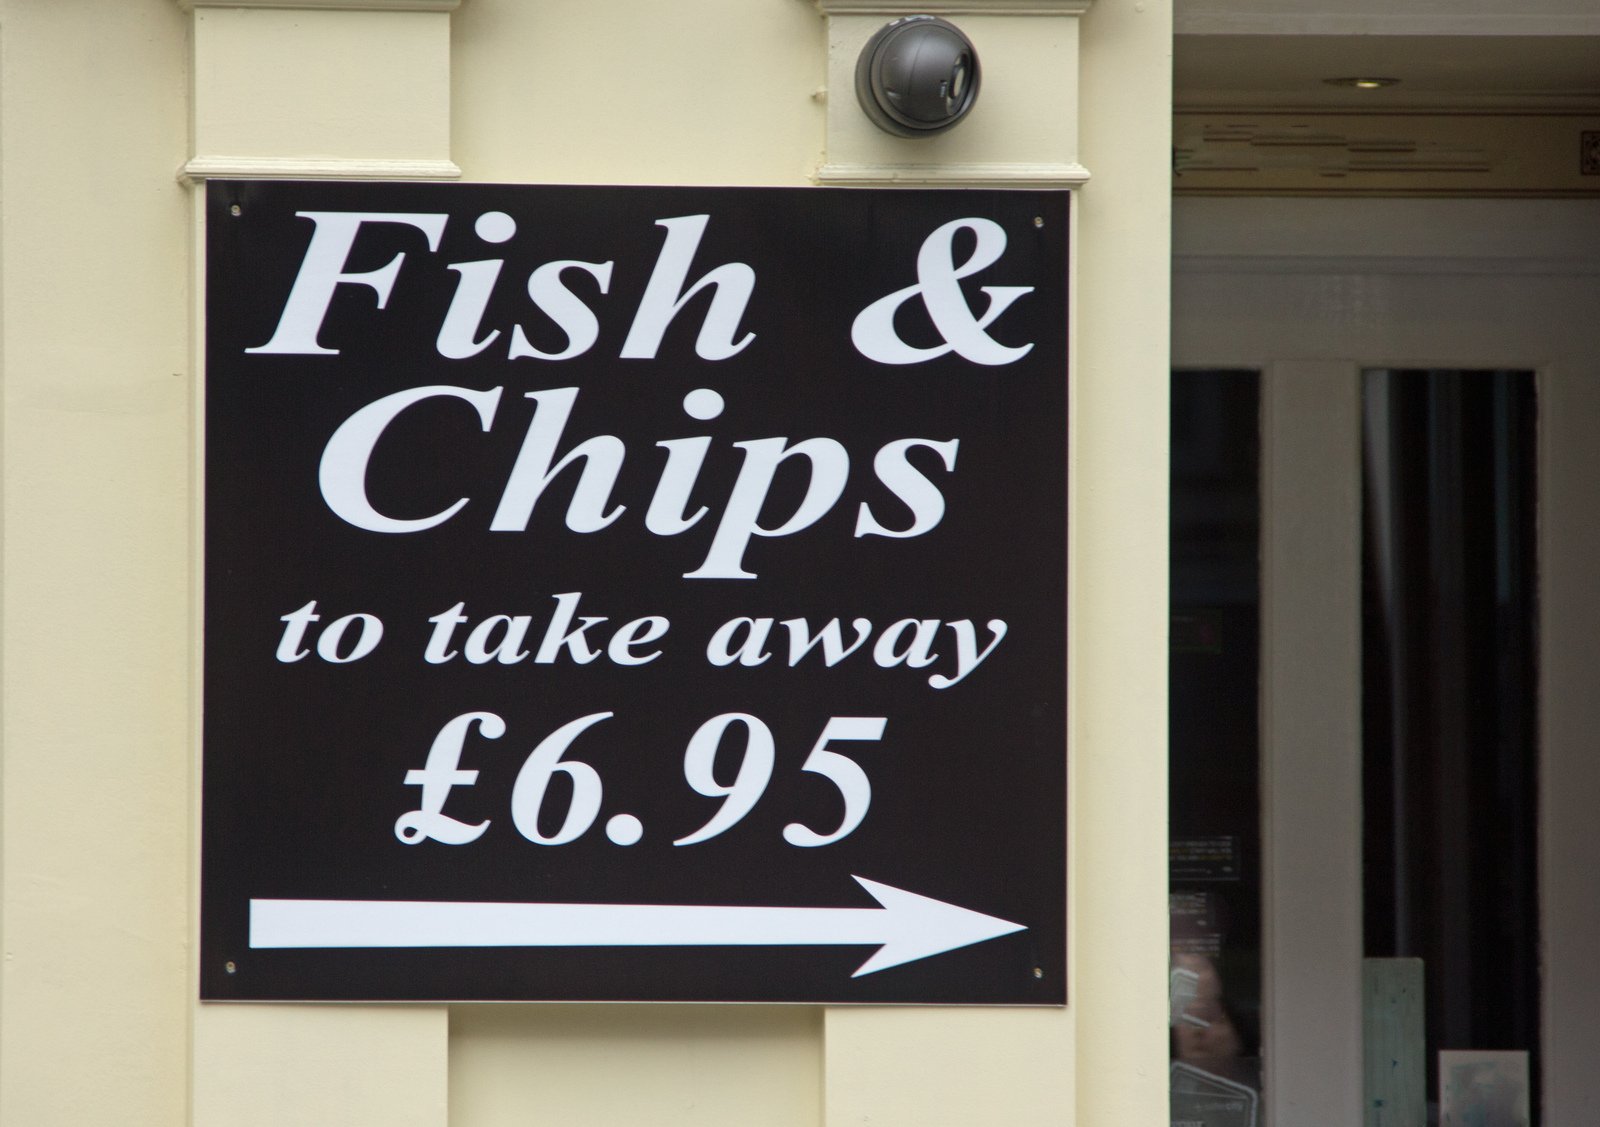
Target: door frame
{"points": [[1309, 292]]}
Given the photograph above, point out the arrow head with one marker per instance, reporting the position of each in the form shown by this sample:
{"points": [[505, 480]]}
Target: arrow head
{"points": [[916, 927]]}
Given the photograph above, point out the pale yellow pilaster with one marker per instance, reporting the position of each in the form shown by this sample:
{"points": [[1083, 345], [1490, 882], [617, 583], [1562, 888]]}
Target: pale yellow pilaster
{"points": [[317, 88], [1117, 561], [94, 431]]}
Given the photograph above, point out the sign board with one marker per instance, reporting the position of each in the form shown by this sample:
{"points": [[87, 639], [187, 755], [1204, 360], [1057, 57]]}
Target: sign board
{"points": [[634, 594]]}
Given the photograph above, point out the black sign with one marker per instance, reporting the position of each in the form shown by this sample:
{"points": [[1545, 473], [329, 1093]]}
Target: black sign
{"points": [[634, 594]]}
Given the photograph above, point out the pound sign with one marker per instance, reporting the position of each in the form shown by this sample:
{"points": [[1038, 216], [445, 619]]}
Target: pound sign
{"points": [[437, 776]]}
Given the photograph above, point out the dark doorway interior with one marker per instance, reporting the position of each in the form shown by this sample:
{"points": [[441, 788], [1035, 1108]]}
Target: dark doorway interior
{"points": [[1214, 739], [1449, 700]]}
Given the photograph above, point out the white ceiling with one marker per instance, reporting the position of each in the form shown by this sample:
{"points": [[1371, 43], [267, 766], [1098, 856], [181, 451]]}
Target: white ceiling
{"points": [[1527, 73]]}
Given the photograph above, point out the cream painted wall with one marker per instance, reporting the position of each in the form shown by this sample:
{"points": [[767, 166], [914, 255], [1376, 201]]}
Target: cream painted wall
{"points": [[638, 91], [101, 102], [1118, 580], [94, 569], [666, 1066]]}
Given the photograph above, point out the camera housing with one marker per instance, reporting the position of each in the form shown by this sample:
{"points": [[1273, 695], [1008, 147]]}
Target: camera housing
{"points": [[917, 76]]}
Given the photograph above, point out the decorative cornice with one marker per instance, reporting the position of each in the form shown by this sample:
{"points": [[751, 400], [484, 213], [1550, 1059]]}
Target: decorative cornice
{"points": [[1366, 265], [953, 7], [1509, 22], [201, 169], [974, 174], [330, 5]]}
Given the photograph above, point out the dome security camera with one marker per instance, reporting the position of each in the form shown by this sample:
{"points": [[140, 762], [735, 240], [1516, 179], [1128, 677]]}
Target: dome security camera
{"points": [[917, 76]]}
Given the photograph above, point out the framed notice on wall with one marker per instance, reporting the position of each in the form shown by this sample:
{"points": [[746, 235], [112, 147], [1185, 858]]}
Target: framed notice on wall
{"points": [[634, 594]]}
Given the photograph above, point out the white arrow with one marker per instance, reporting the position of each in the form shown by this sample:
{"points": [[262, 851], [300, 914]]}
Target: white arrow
{"points": [[906, 927]]}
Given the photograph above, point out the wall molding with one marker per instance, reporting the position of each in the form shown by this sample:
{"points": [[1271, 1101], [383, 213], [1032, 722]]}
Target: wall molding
{"points": [[973, 173], [201, 169], [1233, 23], [330, 5], [954, 7]]}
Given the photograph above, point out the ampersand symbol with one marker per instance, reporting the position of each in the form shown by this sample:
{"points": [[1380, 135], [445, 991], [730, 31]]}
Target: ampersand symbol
{"points": [[938, 285]]}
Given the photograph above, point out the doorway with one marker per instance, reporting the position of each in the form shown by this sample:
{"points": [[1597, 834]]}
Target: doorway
{"points": [[1353, 316]]}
